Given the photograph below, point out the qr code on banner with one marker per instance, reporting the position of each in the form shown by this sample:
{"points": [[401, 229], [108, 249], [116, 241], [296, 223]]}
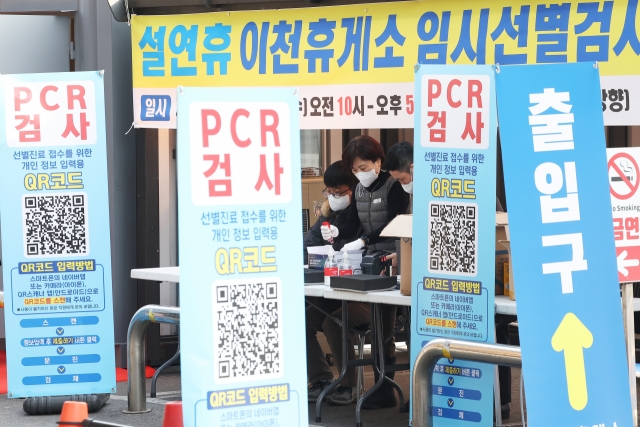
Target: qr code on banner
{"points": [[453, 238], [247, 329], [55, 225]]}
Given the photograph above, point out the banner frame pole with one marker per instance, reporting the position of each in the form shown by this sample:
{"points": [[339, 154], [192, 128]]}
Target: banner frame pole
{"points": [[627, 317]]}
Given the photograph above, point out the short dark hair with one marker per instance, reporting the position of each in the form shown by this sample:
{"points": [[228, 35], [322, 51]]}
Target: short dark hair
{"points": [[337, 175], [399, 157], [363, 147]]}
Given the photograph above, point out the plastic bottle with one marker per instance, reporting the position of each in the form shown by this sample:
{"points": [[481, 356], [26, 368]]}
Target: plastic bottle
{"points": [[330, 267], [345, 268]]}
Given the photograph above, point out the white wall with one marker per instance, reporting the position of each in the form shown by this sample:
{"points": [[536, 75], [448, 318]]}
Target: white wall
{"points": [[32, 44]]}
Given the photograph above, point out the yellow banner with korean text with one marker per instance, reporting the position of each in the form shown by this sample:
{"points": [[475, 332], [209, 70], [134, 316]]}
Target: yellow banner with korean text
{"points": [[372, 49], [378, 43]]}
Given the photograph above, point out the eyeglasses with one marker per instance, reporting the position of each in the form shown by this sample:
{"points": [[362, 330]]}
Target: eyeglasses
{"points": [[326, 193]]}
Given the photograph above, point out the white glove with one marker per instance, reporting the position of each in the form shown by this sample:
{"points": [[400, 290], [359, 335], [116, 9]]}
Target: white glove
{"points": [[329, 232], [355, 245]]}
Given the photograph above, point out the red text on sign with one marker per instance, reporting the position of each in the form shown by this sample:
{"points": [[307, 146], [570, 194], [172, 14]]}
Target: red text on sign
{"points": [[626, 228], [474, 91], [461, 95], [221, 185], [29, 126]]}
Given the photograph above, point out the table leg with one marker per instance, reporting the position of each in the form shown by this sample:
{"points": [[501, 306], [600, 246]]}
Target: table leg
{"points": [[374, 338], [345, 357], [381, 347], [407, 328], [627, 311], [376, 330], [159, 371]]}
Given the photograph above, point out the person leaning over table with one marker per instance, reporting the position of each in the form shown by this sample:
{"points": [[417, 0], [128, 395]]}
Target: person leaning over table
{"points": [[378, 199], [339, 193], [399, 163]]}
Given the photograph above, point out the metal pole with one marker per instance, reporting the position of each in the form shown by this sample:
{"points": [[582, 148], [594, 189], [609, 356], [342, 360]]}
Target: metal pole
{"points": [[629, 336], [497, 401], [137, 398], [463, 350]]}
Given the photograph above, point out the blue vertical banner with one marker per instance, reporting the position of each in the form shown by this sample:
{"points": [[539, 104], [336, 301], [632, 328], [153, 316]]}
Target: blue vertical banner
{"points": [[54, 205], [454, 232], [563, 252], [241, 293]]}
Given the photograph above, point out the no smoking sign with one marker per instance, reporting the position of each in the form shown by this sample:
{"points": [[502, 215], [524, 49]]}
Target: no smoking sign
{"points": [[623, 176], [624, 181]]}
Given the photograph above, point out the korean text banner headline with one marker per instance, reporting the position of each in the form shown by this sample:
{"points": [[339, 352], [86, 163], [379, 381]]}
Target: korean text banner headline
{"points": [[378, 43]]}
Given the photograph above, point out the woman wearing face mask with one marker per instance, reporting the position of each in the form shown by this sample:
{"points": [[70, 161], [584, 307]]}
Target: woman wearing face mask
{"points": [[378, 198], [340, 183]]}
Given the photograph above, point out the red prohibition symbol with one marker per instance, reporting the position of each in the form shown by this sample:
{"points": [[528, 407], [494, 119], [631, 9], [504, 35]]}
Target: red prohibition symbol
{"points": [[633, 186]]}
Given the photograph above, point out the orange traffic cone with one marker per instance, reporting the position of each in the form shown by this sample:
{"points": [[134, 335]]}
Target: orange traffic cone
{"points": [[172, 415], [73, 413]]}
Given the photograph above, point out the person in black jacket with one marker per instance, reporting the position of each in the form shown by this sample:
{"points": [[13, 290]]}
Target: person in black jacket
{"points": [[340, 183]]}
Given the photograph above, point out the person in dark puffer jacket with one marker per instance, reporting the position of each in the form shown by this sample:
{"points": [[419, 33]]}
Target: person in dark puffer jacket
{"points": [[340, 183]]}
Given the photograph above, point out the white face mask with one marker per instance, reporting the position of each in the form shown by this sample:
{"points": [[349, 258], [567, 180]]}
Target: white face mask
{"points": [[367, 178], [339, 203], [408, 187]]}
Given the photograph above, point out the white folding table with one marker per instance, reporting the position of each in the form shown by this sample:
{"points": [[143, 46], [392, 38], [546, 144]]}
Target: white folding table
{"points": [[162, 274], [503, 305]]}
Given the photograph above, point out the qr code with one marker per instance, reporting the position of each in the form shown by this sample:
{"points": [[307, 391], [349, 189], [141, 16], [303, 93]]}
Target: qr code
{"points": [[453, 238], [55, 225], [247, 329]]}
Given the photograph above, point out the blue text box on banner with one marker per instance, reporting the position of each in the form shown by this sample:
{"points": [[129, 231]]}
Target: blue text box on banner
{"points": [[54, 204], [242, 287], [454, 232], [563, 254]]}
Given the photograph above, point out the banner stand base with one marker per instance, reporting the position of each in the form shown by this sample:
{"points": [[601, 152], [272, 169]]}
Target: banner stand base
{"points": [[47, 405]]}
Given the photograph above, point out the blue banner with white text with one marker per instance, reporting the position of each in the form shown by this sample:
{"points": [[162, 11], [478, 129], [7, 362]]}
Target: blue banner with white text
{"points": [[454, 232], [563, 252], [54, 204], [242, 290]]}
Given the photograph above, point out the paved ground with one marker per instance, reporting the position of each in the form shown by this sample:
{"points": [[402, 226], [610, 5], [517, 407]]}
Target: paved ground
{"points": [[336, 416], [11, 413]]}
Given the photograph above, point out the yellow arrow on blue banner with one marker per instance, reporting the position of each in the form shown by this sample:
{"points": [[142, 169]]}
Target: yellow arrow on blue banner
{"points": [[572, 337]]}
